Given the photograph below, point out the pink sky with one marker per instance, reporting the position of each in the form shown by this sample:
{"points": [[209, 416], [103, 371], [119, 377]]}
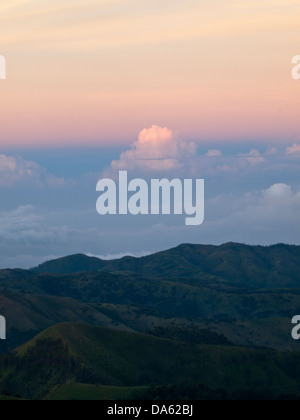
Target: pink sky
{"points": [[99, 71]]}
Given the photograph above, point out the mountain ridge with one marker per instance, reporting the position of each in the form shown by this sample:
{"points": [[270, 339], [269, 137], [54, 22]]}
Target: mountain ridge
{"points": [[248, 294], [212, 315], [84, 262], [251, 266]]}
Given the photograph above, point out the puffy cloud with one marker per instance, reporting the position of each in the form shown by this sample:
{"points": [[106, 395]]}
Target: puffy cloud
{"points": [[254, 157], [279, 193], [215, 163], [260, 217], [16, 170], [293, 150], [157, 149], [160, 150]]}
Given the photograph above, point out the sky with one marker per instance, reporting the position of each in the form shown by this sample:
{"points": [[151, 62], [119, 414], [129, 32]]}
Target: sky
{"points": [[197, 89], [99, 71]]}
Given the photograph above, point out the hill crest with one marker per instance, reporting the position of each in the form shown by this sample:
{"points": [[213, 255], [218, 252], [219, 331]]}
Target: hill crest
{"points": [[275, 266]]}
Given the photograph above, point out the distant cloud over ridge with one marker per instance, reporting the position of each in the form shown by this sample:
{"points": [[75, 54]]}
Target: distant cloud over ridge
{"points": [[157, 148]]}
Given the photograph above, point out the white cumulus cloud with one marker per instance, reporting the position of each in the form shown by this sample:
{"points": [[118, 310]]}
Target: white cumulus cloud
{"points": [[157, 149]]}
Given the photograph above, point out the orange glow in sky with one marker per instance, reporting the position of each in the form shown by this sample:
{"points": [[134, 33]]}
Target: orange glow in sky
{"points": [[99, 71]]}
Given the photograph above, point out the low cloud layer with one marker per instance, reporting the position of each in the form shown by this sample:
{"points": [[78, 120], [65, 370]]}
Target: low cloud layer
{"points": [[252, 196], [29, 236]]}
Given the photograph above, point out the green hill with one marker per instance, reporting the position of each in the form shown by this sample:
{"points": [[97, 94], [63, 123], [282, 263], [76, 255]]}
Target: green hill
{"points": [[196, 322], [248, 294], [86, 392], [29, 314], [71, 264], [240, 265], [253, 318], [76, 353]]}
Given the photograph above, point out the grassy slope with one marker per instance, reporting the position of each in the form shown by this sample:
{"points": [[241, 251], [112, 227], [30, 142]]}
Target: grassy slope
{"points": [[211, 293], [27, 315], [253, 318], [87, 392], [84, 354]]}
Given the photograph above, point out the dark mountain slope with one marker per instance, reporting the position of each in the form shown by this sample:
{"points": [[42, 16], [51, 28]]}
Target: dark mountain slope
{"points": [[239, 265], [28, 315], [72, 264], [249, 294], [246, 315]]}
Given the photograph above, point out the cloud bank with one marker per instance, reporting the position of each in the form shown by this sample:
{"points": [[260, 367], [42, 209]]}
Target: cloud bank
{"points": [[251, 197], [29, 236]]}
